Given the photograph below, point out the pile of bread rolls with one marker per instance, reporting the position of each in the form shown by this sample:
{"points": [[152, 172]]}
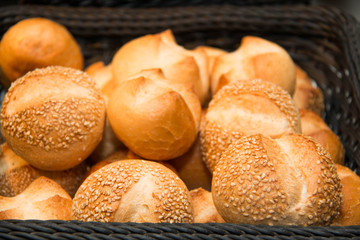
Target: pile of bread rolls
{"points": [[166, 134]]}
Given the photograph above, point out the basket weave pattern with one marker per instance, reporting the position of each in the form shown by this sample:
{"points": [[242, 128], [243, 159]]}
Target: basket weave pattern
{"points": [[325, 42]]}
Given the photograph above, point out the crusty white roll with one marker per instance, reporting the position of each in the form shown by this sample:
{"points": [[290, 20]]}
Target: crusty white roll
{"points": [[133, 191], [154, 119], [204, 208], [192, 169], [36, 43], [245, 108], [255, 58], [212, 53], [314, 126], [161, 51], [43, 199], [16, 174], [350, 206], [53, 117], [307, 95], [286, 181]]}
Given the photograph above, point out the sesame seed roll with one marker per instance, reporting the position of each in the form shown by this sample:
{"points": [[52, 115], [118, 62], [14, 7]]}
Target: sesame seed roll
{"points": [[133, 191], [53, 117], [244, 108], [287, 181]]}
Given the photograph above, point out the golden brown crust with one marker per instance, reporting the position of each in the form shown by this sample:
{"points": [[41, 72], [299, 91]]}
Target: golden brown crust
{"points": [[314, 126], [36, 43], [204, 208], [255, 58], [43, 199], [155, 120], [191, 169], [350, 206], [133, 190], [243, 108], [285, 181], [307, 95], [53, 117], [161, 51]]}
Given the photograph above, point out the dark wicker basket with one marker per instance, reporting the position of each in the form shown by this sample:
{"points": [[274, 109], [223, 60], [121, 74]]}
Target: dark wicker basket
{"points": [[325, 42], [159, 3]]}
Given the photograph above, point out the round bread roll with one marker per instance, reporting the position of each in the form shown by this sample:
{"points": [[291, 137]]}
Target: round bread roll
{"points": [[16, 174], [307, 95], [204, 208], [286, 181], [255, 58], [192, 169], [212, 53], [43, 199], [350, 206], [133, 191], [314, 126], [246, 108], [154, 119], [161, 51], [53, 117], [36, 43]]}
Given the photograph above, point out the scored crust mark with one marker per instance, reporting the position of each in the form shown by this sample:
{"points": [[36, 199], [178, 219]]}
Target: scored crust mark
{"points": [[216, 138], [263, 88], [55, 124], [100, 195], [249, 185]]}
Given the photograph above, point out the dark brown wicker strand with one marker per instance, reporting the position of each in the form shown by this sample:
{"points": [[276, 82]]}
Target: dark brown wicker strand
{"points": [[324, 41]]}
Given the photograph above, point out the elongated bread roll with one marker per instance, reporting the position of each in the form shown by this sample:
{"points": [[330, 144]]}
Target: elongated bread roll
{"points": [[133, 191], [286, 181], [245, 108]]}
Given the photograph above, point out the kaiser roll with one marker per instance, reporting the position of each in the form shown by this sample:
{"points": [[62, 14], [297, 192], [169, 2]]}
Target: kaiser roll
{"points": [[255, 58], [245, 108], [43, 199], [286, 181], [133, 191]]}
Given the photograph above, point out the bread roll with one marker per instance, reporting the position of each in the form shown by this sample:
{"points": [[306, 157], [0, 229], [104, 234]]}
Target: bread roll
{"points": [[133, 191], [103, 77], [287, 181], [307, 95], [161, 51], [35, 43], [255, 58], [212, 53], [154, 119], [53, 117], [350, 206], [204, 208], [314, 126], [15, 173], [43, 199], [245, 108], [192, 169]]}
